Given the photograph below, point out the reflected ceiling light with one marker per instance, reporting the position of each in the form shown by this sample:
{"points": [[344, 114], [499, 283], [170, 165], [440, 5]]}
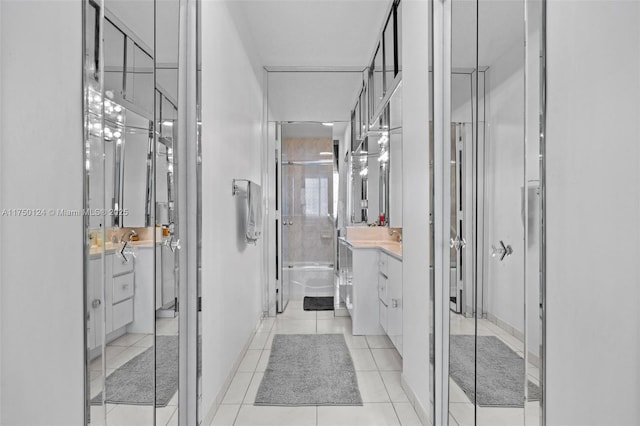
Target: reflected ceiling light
{"points": [[384, 157], [327, 124], [167, 123], [364, 172], [326, 153]]}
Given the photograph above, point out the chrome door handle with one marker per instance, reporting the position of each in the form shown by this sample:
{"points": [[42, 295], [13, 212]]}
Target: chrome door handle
{"points": [[458, 243], [502, 251]]}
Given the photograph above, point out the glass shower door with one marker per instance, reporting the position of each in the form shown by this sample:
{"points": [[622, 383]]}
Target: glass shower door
{"points": [[307, 219]]}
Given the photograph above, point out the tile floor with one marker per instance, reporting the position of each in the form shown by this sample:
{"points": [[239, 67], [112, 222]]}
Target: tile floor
{"points": [[378, 366], [461, 410], [118, 352]]}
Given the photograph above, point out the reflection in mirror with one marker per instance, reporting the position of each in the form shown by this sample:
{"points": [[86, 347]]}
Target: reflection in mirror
{"points": [[120, 266], [493, 199], [462, 139], [165, 206]]}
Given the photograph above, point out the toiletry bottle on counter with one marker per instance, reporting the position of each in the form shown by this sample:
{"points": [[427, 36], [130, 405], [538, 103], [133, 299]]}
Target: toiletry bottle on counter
{"points": [[381, 219]]}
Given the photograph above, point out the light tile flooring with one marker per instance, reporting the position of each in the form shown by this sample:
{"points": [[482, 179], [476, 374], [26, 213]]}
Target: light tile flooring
{"points": [[461, 410], [118, 352], [378, 366]]}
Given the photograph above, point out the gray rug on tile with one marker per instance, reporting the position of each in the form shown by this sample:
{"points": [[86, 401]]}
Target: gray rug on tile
{"points": [[315, 303], [500, 372], [132, 383], [309, 369]]}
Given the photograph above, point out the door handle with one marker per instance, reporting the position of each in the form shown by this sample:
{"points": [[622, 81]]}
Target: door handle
{"points": [[502, 251], [458, 243]]}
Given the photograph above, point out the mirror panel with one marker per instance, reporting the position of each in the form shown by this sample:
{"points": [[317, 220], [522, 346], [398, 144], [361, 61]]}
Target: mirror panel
{"points": [[131, 254], [494, 190], [389, 51], [166, 196], [376, 82], [458, 147]]}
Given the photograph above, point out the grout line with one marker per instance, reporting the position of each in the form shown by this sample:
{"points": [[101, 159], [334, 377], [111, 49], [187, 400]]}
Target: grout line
{"points": [[395, 411], [235, 419]]}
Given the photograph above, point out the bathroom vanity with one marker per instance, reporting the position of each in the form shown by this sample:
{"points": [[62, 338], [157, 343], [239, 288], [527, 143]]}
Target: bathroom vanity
{"points": [[370, 282]]}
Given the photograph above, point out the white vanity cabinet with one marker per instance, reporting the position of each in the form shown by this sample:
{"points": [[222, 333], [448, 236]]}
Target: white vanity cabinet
{"points": [[390, 297], [144, 303], [120, 292], [394, 311], [365, 312], [114, 305]]}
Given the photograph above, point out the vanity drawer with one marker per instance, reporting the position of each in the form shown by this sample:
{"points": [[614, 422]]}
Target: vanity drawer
{"points": [[123, 287], [122, 314], [120, 266]]}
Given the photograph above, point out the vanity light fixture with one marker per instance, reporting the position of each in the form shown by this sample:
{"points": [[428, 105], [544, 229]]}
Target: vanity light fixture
{"points": [[326, 153], [327, 124], [384, 157], [364, 171], [167, 123]]}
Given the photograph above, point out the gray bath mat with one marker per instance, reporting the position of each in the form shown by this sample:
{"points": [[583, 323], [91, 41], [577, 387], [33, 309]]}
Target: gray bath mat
{"points": [[500, 372], [313, 303], [309, 369], [132, 383]]}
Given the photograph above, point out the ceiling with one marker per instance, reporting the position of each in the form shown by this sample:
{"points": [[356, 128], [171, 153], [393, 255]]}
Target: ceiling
{"points": [[314, 33]]}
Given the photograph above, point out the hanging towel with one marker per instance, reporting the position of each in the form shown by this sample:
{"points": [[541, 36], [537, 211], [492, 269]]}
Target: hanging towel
{"points": [[254, 212]]}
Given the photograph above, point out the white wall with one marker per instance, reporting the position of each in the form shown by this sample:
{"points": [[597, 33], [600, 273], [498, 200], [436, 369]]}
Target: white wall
{"points": [[593, 206], [232, 116], [415, 178], [41, 274], [504, 281]]}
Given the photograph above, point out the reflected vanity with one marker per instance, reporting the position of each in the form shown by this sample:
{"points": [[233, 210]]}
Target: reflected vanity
{"points": [[131, 258]]}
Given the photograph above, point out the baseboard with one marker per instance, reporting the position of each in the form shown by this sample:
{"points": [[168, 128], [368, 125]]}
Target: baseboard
{"points": [[423, 414], [213, 410], [506, 327]]}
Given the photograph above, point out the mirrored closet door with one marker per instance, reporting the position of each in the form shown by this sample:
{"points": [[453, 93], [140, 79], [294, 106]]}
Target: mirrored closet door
{"points": [[490, 162], [131, 191]]}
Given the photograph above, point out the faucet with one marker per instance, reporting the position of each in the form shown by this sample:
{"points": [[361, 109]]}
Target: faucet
{"points": [[399, 234], [129, 235]]}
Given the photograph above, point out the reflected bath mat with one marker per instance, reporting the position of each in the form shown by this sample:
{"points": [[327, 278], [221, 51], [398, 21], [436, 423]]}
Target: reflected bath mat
{"points": [[500, 372], [132, 383], [309, 369], [313, 303]]}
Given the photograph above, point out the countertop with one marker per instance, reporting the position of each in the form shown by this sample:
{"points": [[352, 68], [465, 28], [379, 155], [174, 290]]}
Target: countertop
{"points": [[392, 248]]}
